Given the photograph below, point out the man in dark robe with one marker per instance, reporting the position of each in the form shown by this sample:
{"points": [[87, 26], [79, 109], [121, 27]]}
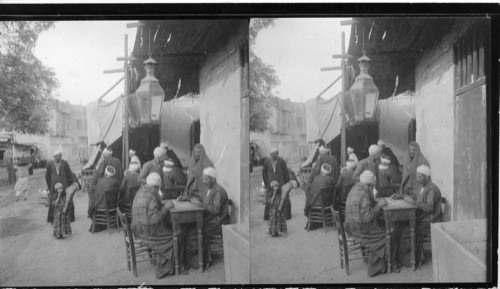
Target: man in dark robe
{"points": [[153, 166], [108, 183], [324, 157], [151, 224], [58, 171], [414, 159], [428, 210], [364, 222], [313, 197], [108, 160], [131, 180], [171, 155], [371, 163], [344, 185], [173, 180], [215, 205], [388, 152], [389, 177], [274, 169]]}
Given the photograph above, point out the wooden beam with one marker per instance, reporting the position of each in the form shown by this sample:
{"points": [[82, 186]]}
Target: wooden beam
{"points": [[109, 71], [135, 24], [114, 85], [131, 58], [337, 56], [330, 68], [348, 22]]}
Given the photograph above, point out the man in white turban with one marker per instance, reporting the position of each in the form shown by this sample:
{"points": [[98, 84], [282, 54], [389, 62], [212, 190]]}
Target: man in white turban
{"points": [[98, 198], [388, 176], [174, 179], [314, 197], [108, 160], [428, 209], [344, 184], [351, 155], [58, 171], [324, 158], [150, 225], [155, 165], [362, 221], [215, 204], [171, 154], [371, 163], [388, 152], [273, 169], [130, 185]]}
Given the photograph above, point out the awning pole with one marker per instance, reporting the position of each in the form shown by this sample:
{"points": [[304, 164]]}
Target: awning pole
{"points": [[343, 132], [114, 85]]}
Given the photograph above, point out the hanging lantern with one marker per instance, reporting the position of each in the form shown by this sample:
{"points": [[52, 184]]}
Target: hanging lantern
{"points": [[363, 94], [149, 95]]}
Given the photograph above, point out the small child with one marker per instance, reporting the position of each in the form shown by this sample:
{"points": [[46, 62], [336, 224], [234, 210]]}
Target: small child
{"points": [[61, 222], [277, 222]]}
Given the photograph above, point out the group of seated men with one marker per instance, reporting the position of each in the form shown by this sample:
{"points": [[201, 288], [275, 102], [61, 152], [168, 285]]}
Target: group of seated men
{"points": [[360, 188], [159, 179]]}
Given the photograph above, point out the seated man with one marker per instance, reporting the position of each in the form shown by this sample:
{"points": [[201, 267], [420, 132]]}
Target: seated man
{"points": [[130, 180], [345, 184], [172, 178], [363, 221], [428, 209], [215, 204], [150, 224], [313, 198], [388, 174], [108, 183]]}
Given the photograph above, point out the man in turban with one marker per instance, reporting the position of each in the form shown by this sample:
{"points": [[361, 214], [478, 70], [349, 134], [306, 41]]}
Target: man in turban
{"points": [[98, 201], [173, 179], [58, 171], [273, 169], [215, 206], [344, 185], [171, 154], [371, 163], [130, 184], [388, 175], [151, 224], [414, 159], [428, 209], [351, 155], [108, 160], [388, 152], [153, 166], [324, 158], [314, 198], [364, 222]]}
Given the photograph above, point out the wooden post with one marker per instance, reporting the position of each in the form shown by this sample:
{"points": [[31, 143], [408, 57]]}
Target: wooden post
{"points": [[343, 132], [125, 110]]}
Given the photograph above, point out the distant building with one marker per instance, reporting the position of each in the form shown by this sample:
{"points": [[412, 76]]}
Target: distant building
{"points": [[286, 130], [68, 130]]}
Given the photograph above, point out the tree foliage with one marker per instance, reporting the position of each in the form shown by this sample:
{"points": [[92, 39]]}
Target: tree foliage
{"points": [[263, 80], [26, 85]]}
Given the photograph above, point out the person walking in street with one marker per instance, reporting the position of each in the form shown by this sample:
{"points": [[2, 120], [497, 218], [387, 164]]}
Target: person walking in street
{"points": [[274, 169], [22, 183], [58, 171], [277, 222]]}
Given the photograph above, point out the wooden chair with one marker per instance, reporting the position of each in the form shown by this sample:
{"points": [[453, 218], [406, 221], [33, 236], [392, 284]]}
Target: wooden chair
{"points": [[87, 179], [106, 216], [320, 214], [349, 248], [215, 241], [305, 172], [136, 250], [427, 242]]}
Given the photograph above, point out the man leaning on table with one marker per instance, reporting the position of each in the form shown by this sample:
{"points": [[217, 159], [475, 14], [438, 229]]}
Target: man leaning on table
{"points": [[215, 205]]}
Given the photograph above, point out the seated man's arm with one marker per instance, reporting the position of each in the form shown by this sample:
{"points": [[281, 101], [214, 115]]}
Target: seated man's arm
{"points": [[214, 208], [144, 174], [428, 205]]}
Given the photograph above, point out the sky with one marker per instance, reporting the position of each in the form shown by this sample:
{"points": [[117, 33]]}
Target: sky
{"points": [[298, 48], [79, 52]]}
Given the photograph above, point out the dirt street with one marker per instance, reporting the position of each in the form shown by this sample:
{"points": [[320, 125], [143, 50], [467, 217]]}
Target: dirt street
{"points": [[32, 257], [307, 257]]}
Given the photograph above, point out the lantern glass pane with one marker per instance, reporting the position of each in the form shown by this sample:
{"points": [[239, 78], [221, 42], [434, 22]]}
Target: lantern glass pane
{"points": [[143, 102], [371, 98], [358, 105], [156, 102]]}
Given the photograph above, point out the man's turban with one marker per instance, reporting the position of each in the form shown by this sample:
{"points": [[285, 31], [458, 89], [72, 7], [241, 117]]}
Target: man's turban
{"points": [[423, 169], [366, 177], [210, 172], [374, 149], [153, 179]]}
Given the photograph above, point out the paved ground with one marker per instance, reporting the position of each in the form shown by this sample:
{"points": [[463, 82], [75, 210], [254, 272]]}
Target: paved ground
{"points": [[306, 257], [32, 257]]}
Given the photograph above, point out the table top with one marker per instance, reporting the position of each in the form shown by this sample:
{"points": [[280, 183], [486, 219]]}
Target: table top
{"points": [[182, 206], [400, 204]]}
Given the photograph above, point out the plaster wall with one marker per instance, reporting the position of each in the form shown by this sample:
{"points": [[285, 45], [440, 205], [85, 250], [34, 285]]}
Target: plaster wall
{"points": [[434, 110], [221, 122]]}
